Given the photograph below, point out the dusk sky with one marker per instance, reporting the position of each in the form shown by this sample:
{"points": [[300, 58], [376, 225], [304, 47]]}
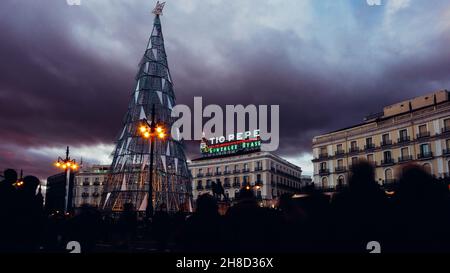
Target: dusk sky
{"points": [[67, 72]]}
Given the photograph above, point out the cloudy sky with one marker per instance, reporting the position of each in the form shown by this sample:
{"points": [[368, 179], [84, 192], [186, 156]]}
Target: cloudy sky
{"points": [[67, 72]]}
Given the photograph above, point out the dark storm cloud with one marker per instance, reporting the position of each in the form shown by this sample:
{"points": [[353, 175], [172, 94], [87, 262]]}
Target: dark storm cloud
{"points": [[67, 72]]}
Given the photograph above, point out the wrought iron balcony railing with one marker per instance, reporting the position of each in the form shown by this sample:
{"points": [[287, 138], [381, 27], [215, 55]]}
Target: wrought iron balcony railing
{"points": [[340, 169], [370, 146], [425, 155], [405, 158], [385, 143], [387, 161], [403, 139], [423, 134]]}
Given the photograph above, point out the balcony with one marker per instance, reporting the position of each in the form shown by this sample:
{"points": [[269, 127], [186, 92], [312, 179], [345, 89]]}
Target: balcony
{"points": [[200, 187], [446, 152], [323, 156], [404, 139], [258, 183], [85, 195], [386, 142], [236, 171], [245, 170], [445, 130], [227, 185], [369, 147], [324, 172], [218, 173], [226, 172], [257, 169], [208, 174], [208, 187], [340, 169], [405, 158], [339, 152], [425, 155], [85, 183], [421, 135], [96, 194], [387, 162], [236, 185], [353, 150], [200, 175]]}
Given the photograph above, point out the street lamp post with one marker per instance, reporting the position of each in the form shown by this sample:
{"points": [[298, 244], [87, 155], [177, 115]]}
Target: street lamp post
{"points": [[67, 164], [151, 131]]}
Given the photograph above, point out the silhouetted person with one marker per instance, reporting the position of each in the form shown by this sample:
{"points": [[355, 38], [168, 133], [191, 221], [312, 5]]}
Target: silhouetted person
{"points": [[30, 216], [295, 220], [161, 227], [422, 213], [8, 210], [203, 230], [247, 225], [127, 225], [360, 212]]}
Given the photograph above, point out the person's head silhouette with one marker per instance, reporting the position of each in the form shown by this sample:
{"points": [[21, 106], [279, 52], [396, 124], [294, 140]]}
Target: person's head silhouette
{"points": [[362, 176], [30, 184], [10, 176], [206, 204]]}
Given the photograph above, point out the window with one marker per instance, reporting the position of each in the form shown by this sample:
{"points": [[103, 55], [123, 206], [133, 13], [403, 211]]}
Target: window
{"points": [[340, 163], [323, 165], [245, 166], [447, 124], [354, 160], [236, 180], [369, 142], [353, 145], [370, 158], [422, 129], [340, 180], [200, 170], [405, 153], [339, 148], [385, 138], [425, 149], [199, 183], [323, 150], [388, 174], [403, 134], [226, 168], [217, 169], [447, 143], [258, 178], [325, 183], [236, 167], [387, 156]]}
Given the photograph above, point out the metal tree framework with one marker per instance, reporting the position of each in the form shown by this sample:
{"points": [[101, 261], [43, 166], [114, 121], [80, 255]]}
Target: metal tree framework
{"points": [[128, 180]]}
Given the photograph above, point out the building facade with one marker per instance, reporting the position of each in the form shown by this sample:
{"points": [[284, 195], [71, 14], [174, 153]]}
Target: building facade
{"points": [[89, 184], [270, 175], [411, 131], [55, 193]]}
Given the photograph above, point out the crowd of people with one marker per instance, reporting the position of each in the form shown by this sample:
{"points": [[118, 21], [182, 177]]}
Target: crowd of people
{"points": [[414, 218]]}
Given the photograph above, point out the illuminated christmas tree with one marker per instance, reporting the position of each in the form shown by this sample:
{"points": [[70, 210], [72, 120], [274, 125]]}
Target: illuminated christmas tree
{"points": [[128, 181]]}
